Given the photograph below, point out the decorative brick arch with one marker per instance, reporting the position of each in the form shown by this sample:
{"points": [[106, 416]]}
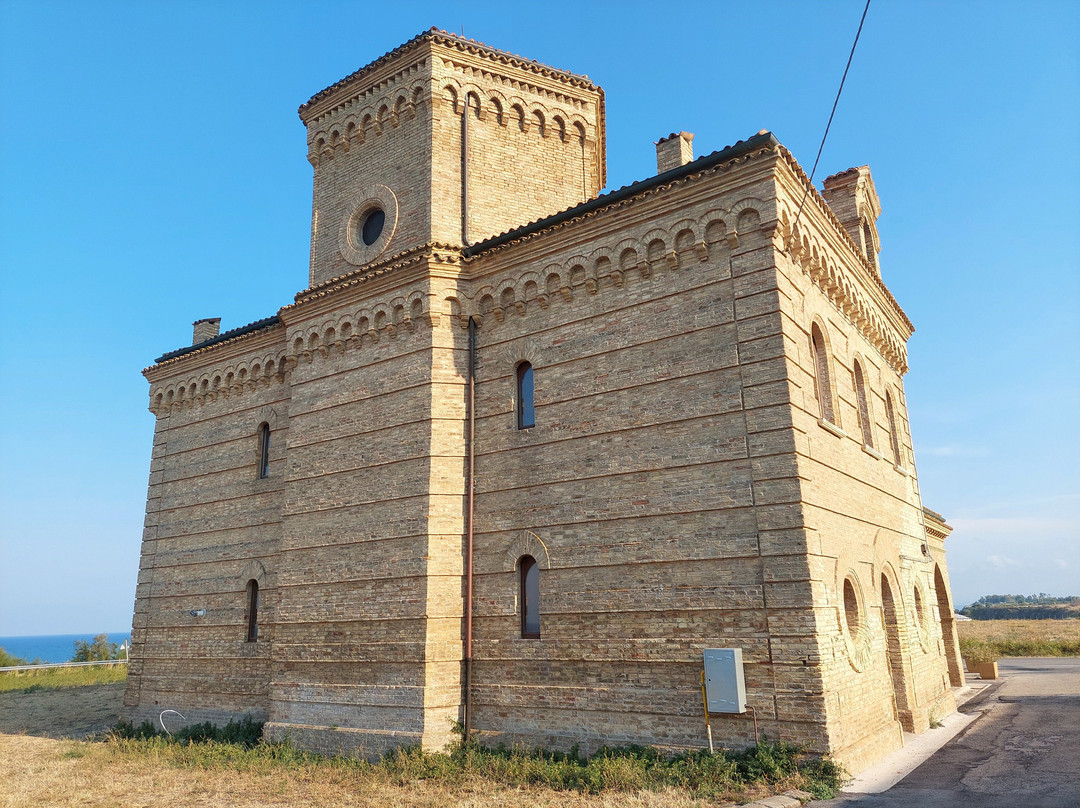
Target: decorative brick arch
{"points": [[254, 570], [526, 544]]}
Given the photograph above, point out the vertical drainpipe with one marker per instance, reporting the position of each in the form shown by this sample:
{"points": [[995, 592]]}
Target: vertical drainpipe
{"points": [[469, 493], [465, 173]]}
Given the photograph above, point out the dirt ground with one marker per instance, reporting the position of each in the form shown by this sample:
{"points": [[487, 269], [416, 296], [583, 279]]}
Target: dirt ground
{"points": [[69, 712], [45, 761], [57, 773]]}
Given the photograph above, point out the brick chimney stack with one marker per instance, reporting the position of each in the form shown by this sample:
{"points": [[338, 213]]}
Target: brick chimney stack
{"points": [[854, 200], [673, 151], [205, 329]]}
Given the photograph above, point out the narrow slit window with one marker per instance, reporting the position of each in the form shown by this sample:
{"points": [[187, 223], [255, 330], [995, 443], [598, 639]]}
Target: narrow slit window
{"points": [[894, 437], [864, 407], [526, 412], [264, 451], [252, 610], [821, 370], [529, 597]]}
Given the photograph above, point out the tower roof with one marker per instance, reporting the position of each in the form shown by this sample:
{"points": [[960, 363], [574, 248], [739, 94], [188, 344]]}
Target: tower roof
{"points": [[441, 37]]}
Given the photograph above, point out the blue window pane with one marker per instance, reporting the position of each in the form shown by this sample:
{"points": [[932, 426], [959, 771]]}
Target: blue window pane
{"points": [[530, 598], [526, 412]]}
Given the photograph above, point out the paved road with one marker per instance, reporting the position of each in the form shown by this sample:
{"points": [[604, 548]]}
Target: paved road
{"points": [[1022, 752]]}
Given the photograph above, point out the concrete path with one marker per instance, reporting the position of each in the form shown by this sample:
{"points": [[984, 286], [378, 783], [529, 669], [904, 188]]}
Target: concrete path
{"points": [[1022, 750]]}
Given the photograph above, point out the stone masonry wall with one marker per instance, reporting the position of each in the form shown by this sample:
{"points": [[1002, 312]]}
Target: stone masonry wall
{"points": [[382, 139], [211, 526], [532, 147], [681, 488], [657, 490], [864, 525], [360, 568]]}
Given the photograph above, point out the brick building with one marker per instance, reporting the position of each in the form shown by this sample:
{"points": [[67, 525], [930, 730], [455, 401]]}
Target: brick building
{"points": [[519, 452]]}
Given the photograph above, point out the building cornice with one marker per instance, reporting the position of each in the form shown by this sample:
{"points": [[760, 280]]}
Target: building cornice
{"points": [[935, 525], [822, 248], [742, 151], [432, 252], [819, 203], [324, 100], [226, 338]]}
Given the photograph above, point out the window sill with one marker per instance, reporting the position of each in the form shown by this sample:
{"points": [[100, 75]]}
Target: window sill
{"points": [[901, 470], [874, 453], [828, 426]]}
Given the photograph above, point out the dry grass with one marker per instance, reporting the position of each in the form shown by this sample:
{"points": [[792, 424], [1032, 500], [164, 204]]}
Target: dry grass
{"points": [[60, 770], [993, 639], [38, 771]]}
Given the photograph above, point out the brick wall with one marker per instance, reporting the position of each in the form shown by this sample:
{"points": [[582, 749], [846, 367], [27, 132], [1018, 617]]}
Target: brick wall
{"points": [[679, 491]]}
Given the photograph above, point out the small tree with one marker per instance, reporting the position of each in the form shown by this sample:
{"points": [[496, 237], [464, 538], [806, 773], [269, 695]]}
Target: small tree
{"points": [[9, 660], [100, 650]]}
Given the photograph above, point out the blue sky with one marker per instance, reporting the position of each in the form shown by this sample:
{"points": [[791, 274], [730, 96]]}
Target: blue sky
{"points": [[153, 172]]}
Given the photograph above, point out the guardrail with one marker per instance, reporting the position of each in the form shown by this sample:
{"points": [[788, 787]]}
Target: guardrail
{"points": [[61, 665]]}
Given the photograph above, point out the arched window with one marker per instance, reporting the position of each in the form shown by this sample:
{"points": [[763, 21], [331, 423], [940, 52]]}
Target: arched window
{"points": [[264, 450], [894, 437], [526, 413], [529, 597], [252, 610], [864, 407], [821, 369]]}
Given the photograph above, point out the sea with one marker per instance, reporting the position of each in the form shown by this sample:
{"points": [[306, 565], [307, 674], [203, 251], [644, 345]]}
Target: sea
{"points": [[53, 647]]}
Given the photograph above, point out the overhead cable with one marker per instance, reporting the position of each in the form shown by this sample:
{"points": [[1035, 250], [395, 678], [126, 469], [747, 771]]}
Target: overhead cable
{"points": [[831, 114]]}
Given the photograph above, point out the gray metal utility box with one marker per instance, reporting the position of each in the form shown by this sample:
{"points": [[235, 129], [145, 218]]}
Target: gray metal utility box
{"points": [[725, 690]]}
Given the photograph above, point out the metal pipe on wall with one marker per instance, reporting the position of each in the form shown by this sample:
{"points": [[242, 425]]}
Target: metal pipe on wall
{"points": [[470, 489], [465, 173]]}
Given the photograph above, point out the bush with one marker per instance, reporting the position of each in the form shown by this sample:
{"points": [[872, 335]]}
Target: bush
{"points": [[8, 660], [246, 732], [100, 650], [724, 775]]}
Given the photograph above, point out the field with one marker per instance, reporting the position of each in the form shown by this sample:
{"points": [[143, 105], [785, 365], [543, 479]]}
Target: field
{"points": [[993, 639], [43, 761], [53, 678]]}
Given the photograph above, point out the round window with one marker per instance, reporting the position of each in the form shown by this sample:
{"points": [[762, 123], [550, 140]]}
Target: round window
{"points": [[369, 225], [372, 226], [851, 608]]}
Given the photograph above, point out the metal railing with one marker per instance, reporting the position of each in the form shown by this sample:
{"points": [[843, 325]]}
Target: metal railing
{"points": [[45, 666]]}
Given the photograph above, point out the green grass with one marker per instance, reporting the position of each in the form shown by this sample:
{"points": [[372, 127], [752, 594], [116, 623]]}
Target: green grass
{"points": [[53, 678], [624, 769]]}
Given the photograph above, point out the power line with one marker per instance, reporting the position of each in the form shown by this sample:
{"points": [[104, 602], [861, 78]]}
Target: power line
{"points": [[831, 114]]}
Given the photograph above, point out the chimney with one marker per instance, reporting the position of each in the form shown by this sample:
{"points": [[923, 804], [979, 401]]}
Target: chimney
{"points": [[673, 151], [205, 329], [854, 200]]}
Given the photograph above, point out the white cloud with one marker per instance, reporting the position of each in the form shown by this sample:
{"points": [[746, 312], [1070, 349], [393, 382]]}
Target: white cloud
{"points": [[1003, 561]]}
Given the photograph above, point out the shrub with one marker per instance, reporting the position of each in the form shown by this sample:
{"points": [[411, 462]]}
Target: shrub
{"points": [[721, 776], [8, 660], [100, 650], [246, 732]]}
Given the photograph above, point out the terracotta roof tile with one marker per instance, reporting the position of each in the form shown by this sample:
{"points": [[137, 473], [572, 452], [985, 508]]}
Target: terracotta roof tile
{"points": [[446, 38]]}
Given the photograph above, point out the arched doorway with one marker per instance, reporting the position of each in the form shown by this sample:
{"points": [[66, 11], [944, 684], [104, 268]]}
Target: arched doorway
{"points": [[948, 629], [895, 655]]}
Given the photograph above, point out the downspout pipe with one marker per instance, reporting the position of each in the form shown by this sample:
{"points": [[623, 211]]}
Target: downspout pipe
{"points": [[470, 497], [465, 173]]}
